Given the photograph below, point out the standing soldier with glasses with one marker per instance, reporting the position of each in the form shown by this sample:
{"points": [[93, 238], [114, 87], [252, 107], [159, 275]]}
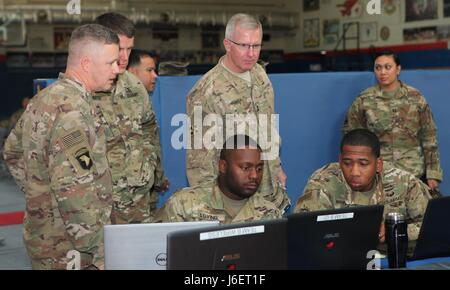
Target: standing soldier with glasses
{"points": [[236, 85]]}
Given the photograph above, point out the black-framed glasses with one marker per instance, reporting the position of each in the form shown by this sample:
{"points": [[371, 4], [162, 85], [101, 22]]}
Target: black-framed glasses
{"points": [[245, 46]]}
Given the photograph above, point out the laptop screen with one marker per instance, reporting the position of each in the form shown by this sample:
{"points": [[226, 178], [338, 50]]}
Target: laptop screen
{"points": [[246, 246], [141, 246], [434, 236], [333, 239]]}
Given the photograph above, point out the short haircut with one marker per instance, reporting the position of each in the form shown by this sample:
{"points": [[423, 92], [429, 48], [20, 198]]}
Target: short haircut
{"points": [[237, 142], [362, 137], [118, 23], [88, 34], [387, 53], [243, 20], [137, 54]]}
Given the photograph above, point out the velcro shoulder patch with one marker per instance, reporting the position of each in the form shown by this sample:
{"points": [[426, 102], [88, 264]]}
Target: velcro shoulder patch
{"points": [[73, 139]]}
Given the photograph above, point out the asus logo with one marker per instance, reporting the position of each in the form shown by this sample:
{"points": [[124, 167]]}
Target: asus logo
{"points": [[230, 257], [331, 236]]}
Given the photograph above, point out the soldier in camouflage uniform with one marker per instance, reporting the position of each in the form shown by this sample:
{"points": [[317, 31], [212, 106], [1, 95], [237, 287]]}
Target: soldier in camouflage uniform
{"points": [[57, 155], [229, 199], [143, 65], [133, 135], [4, 131], [401, 118], [236, 85], [361, 178]]}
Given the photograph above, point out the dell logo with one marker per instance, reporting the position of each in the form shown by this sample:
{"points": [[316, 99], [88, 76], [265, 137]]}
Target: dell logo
{"points": [[161, 259]]}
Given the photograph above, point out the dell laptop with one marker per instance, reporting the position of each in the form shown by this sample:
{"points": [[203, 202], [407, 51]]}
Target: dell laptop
{"points": [[141, 246]]}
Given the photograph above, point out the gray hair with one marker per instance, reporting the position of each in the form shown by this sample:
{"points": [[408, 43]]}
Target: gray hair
{"points": [[242, 20], [87, 34]]}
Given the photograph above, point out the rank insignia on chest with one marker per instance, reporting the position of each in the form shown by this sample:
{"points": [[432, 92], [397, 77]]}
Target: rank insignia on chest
{"points": [[84, 159]]}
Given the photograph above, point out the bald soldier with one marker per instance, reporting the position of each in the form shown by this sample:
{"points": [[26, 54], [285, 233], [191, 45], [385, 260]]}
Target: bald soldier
{"points": [[236, 85], [231, 197], [133, 135], [361, 178], [57, 155]]}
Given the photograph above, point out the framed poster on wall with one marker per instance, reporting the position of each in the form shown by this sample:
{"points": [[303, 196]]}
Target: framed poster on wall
{"points": [[330, 31], [368, 32], [417, 10], [311, 32]]}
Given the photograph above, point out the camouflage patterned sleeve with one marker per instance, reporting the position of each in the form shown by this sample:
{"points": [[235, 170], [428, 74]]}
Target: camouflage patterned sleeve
{"points": [[152, 147], [355, 117], [200, 162], [13, 154], [80, 183], [313, 199], [315, 195], [416, 203], [171, 211], [159, 169], [430, 144], [268, 94]]}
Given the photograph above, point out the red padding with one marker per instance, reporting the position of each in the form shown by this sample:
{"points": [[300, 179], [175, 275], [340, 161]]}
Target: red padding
{"points": [[11, 218]]}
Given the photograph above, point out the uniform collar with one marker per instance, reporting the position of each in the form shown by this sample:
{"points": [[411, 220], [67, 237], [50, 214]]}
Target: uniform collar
{"points": [[238, 82], [399, 92], [374, 196], [76, 83], [243, 214], [119, 88]]}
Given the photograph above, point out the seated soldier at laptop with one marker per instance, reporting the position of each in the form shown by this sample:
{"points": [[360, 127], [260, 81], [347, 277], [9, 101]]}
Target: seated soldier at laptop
{"points": [[229, 199], [361, 178]]}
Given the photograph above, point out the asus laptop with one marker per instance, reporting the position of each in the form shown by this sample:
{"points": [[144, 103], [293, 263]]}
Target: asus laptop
{"points": [[246, 246], [334, 239]]}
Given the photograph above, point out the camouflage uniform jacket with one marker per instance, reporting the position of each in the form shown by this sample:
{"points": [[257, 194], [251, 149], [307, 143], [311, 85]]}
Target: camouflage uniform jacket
{"points": [[405, 126], [396, 189], [204, 202], [56, 154], [221, 92], [134, 151]]}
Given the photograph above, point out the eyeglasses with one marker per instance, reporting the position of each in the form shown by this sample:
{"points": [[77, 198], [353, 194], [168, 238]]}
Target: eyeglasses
{"points": [[245, 46]]}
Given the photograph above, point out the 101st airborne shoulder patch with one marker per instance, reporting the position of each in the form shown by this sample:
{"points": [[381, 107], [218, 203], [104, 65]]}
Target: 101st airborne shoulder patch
{"points": [[84, 158]]}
